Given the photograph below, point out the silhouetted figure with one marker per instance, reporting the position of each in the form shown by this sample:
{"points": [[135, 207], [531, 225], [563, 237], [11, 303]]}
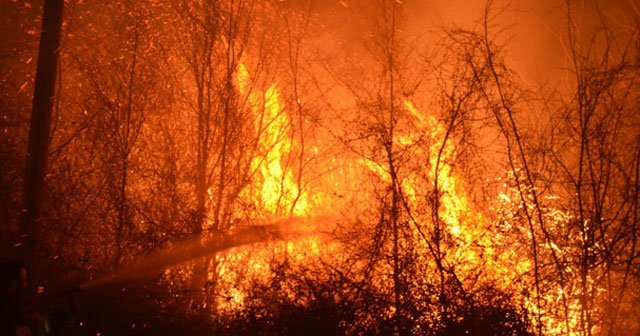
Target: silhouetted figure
{"points": [[13, 285]]}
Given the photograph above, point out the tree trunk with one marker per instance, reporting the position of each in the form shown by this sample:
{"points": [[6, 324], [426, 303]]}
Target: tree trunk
{"points": [[44, 89]]}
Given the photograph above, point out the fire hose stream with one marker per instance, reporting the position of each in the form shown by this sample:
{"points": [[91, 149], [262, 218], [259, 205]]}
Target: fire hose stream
{"points": [[209, 243]]}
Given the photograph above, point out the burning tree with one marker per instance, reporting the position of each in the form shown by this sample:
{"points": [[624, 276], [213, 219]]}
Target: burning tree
{"points": [[271, 169]]}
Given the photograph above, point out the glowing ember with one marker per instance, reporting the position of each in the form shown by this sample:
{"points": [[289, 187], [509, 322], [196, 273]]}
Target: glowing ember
{"points": [[333, 167]]}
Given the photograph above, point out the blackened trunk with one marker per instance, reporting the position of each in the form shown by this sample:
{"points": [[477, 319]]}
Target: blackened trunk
{"points": [[44, 89]]}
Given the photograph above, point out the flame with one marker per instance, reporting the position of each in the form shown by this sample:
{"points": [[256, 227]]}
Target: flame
{"points": [[479, 249], [275, 194], [276, 187], [465, 225], [474, 243]]}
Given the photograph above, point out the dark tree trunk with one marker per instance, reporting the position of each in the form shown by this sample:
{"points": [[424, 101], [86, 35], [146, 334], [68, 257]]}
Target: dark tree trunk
{"points": [[44, 89]]}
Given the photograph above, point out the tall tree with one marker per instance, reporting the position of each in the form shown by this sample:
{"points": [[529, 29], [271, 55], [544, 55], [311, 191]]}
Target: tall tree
{"points": [[44, 90]]}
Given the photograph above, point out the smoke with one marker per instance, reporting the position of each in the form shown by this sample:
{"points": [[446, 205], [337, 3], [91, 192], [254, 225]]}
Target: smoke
{"points": [[532, 32], [209, 243]]}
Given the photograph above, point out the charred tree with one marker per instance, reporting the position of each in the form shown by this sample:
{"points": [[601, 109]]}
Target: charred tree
{"points": [[43, 96]]}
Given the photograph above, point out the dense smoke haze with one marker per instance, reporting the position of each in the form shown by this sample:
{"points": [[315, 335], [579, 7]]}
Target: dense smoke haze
{"points": [[330, 167]]}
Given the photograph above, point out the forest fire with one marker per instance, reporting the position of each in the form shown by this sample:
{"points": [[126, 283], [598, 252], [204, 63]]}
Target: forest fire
{"points": [[295, 167]]}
